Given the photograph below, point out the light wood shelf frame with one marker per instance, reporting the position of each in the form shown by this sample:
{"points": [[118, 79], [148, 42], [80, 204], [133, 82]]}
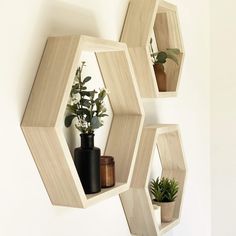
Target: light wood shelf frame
{"points": [[143, 17], [136, 201], [43, 120]]}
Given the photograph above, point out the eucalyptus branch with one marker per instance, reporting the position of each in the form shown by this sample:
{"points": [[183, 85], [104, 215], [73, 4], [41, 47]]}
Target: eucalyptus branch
{"points": [[89, 116]]}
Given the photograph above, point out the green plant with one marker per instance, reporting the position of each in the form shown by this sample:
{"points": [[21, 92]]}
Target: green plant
{"points": [[87, 106], [164, 190], [162, 56]]}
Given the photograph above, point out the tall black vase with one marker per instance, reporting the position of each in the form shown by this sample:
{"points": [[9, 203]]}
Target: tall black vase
{"points": [[87, 162]]}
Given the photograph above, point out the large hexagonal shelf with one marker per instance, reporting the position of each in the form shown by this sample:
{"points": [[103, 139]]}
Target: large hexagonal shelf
{"points": [[43, 120], [144, 17], [137, 201]]}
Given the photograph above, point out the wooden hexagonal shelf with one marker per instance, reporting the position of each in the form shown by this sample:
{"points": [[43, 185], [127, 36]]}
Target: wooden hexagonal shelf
{"points": [[136, 201], [144, 17], [44, 116]]}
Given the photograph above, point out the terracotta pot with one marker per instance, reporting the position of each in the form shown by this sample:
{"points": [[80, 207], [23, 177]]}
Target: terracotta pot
{"points": [[167, 211], [160, 77]]}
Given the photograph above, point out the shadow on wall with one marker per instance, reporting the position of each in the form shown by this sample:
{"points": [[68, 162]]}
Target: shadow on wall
{"points": [[53, 19], [71, 19], [151, 114]]}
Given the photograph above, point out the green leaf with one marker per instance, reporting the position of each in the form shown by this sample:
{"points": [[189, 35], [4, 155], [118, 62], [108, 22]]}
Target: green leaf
{"points": [[84, 111], [72, 108], [88, 118], [85, 102], [77, 71], [176, 51], [68, 120], [161, 57], [102, 115], [86, 79], [95, 122], [75, 86], [102, 94], [87, 93]]}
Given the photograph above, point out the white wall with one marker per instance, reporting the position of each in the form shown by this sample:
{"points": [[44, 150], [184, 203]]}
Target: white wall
{"points": [[25, 208], [223, 116]]}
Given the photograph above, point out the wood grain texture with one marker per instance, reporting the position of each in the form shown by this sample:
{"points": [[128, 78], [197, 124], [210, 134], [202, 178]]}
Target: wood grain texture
{"points": [[44, 116], [139, 212], [116, 70], [140, 215], [144, 161], [141, 63], [62, 187], [144, 16], [139, 22], [54, 73], [124, 134]]}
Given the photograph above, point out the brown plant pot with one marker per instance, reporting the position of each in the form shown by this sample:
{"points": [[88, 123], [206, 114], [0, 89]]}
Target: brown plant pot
{"points": [[167, 210], [160, 77]]}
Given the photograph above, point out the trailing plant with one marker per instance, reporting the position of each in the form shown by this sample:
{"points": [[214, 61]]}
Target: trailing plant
{"points": [[85, 105], [164, 190], [161, 56]]}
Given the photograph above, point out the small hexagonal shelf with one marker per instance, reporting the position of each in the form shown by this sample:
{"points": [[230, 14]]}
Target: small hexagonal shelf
{"points": [[143, 18], [43, 120], [136, 201]]}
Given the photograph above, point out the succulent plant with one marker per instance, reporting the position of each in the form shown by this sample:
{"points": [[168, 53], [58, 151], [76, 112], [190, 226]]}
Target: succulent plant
{"points": [[164, 190]]}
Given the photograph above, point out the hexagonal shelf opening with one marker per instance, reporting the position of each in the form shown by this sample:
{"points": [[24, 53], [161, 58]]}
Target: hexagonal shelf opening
{"points": [[72, 135], [167, 32], [43, 120], [144, 17], [136, 201]]}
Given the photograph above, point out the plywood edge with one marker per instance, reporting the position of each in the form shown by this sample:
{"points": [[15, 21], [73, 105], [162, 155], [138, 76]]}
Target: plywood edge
{"points": [[138, 211], [182, 56], [168, 226], [144, 72], [135, 84], [144, 158], [165, 6], [162, 128], [95, 44], [106, 193], [168, 94], [138, 22]]}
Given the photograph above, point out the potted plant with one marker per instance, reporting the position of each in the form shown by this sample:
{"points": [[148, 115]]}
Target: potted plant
{"points": [[165, 192], [87, 107], [158, 59]]}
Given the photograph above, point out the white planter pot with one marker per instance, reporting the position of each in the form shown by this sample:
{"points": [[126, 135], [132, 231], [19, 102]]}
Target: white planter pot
{"points": [[167, 210]]}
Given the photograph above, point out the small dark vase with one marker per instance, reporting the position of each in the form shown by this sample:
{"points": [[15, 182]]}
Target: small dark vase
{"points": [[87, 162], [160, 77]]}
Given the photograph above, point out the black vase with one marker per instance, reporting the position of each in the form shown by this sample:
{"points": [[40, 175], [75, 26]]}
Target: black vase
{"points": [[87, 162]]}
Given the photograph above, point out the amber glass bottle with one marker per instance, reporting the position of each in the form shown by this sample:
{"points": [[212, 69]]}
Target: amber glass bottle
{"points": [[107, 165]]}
